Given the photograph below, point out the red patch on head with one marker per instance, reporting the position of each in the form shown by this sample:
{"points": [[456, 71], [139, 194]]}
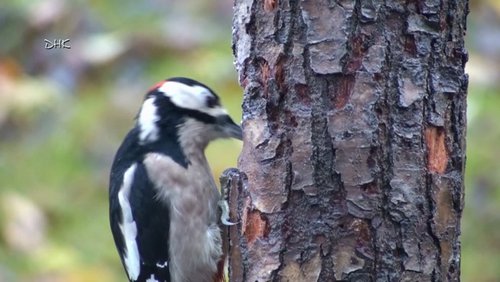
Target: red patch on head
{"points": [[156, 86]]}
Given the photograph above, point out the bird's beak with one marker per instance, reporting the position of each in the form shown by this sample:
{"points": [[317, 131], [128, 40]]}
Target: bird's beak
{"points": [[230, 128]]}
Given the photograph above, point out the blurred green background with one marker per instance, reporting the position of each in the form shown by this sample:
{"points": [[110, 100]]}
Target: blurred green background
{"points": [[63, 112]]}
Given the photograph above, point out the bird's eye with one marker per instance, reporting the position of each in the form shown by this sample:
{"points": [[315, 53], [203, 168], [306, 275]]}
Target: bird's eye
{"points": [[212, 101]]}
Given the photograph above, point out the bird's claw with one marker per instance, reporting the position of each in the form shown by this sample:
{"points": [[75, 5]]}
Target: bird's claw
{"points": [[224, 217]]}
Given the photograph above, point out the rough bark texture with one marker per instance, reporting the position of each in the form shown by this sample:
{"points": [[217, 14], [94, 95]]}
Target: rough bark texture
{"points": [[354, 124]]}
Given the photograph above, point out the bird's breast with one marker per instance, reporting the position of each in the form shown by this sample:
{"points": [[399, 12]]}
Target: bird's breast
{"points": [[189, 192], [195, 240]]}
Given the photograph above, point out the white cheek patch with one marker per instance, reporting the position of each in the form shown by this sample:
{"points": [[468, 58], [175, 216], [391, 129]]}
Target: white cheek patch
{"points": [[128, 226], [147, 122], [190, 97]]}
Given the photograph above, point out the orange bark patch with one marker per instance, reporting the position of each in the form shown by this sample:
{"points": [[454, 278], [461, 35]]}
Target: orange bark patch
{"points": [[265, 71], [256, 226], [219, 275], [265, 74], [279, 73], [270, 5], [344, 91], [437, 156]]}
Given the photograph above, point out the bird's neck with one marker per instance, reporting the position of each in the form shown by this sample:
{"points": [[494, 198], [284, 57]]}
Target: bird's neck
{"points": [[193, 140]]}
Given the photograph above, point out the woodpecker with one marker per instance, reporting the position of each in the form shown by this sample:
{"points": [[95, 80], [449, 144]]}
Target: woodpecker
{"points": [[163, 200]]}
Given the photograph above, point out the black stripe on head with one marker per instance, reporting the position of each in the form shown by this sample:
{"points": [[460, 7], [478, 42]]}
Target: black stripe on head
{"points": [[200, 116]]}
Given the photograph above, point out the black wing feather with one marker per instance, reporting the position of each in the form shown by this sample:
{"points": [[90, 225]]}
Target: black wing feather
{"points": [[150, 215], [152, 219]]}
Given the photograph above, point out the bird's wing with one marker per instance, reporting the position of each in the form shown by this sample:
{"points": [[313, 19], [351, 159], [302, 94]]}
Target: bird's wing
{"points": [[141, 226]]}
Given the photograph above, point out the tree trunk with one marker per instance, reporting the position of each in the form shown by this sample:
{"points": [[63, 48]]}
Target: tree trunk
{"points": [[354, 140]]}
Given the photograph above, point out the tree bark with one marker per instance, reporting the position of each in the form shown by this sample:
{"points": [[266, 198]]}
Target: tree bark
{"points": [[354, 140]]}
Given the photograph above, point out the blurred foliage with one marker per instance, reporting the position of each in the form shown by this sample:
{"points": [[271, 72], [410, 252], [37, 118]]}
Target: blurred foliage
{"points": [[63, 112]]}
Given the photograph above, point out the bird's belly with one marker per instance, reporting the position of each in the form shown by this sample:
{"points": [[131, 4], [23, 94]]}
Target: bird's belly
{"points": [[195, 256]]}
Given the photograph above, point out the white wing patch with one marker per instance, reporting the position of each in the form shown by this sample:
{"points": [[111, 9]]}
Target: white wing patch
{"points": [[128, 226], [190, 97], [152, 278], [147, 121], [162, 265]]}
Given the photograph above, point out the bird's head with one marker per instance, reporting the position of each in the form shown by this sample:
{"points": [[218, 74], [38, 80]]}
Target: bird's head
{"points": [[186, 110]]}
